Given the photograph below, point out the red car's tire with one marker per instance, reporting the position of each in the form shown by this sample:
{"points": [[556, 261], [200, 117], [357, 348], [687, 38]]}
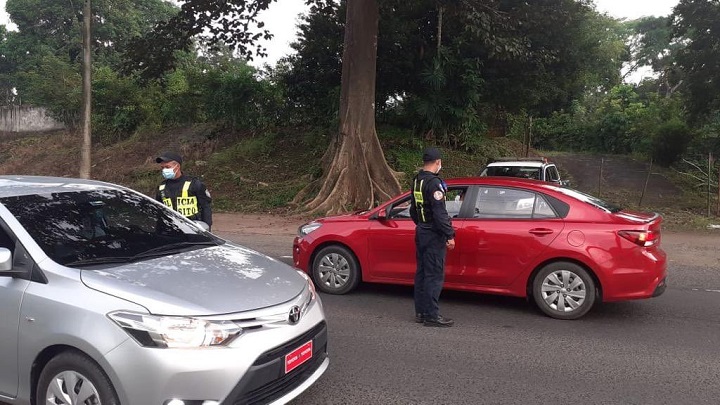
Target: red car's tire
{"points": [[564, 290], [335, 270]]}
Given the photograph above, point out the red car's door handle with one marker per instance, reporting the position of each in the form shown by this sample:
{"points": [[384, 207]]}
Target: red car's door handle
{"points": [[541, 231]]}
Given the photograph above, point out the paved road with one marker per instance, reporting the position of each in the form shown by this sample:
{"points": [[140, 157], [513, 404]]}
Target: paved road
{"points": [[503, 351]]}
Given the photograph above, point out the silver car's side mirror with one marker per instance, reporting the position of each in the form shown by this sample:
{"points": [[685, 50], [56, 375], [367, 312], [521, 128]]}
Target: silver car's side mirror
{"points": [[5, 259], [204, 226]]}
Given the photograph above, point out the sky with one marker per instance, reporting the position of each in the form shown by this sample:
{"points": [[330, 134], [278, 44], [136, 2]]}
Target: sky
{"points": [[282, 17]]}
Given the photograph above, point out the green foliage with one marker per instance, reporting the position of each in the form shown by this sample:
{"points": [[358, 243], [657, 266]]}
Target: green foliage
{"points": [[55, 25], [650, 45], [54, 84], [695, 24], [401, 148], [227, 92], [487, 69], [217, 24], [708, 139], [514, 55], [311, 76], [670, 142], [448, 102], [117, 109], [621, 121], [42, 59]]}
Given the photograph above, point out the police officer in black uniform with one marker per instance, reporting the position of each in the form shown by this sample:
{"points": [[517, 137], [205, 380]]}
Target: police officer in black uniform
{"points": [[185, 194], [434, 234]]}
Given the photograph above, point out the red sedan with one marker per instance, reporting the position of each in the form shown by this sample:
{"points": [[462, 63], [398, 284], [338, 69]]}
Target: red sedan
{"points": [[525, 238]]}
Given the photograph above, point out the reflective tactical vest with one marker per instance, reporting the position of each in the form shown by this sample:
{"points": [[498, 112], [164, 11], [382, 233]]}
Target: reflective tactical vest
{"points": [[420, 202], [185, 204], [424, 210]]}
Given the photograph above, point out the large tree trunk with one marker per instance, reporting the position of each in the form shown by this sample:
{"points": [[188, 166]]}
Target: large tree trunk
{"points": [[356, 174]]}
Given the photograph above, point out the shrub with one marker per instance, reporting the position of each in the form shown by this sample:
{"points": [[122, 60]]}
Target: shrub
{"points": [[670, 142]]}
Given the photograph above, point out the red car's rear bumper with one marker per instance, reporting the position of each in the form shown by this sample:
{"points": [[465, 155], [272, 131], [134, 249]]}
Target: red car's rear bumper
{"points": [[637, 277]]}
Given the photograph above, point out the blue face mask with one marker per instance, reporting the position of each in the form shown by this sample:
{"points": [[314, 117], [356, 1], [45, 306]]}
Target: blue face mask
{"points": [[168, 173]]}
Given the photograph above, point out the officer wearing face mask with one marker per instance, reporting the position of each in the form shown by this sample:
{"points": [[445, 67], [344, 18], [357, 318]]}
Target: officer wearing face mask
{"points": [[185, 194], [434, 235]]}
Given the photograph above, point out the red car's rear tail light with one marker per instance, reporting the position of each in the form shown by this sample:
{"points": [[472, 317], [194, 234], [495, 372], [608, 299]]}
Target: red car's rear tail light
{"points": [[641, 238]]}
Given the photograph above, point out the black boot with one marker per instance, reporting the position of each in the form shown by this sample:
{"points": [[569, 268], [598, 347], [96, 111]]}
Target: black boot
{"points": [[440, 322]]}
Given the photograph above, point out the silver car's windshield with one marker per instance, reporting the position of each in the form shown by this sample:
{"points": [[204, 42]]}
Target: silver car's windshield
{"points": [[96, 226]]}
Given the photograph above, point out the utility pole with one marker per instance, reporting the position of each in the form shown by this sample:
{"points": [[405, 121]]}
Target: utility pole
{"points": [[87, 93]]}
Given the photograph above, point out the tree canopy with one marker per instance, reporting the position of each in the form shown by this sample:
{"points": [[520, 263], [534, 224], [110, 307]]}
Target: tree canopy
{"points": [[450, 72], [451, 62], [696, 25]]}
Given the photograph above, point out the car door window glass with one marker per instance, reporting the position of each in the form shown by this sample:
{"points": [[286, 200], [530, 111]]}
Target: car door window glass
{"points": [[454, 199], [401, 209], [498, 202], [542, 208]]}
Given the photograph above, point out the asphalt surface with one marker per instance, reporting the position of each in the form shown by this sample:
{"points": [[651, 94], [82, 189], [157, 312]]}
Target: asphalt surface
{"points": [[502, 350]]}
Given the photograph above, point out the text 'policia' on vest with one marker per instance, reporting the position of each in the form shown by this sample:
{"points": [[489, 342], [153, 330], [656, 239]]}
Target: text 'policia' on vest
{"points": [[184, 204]]}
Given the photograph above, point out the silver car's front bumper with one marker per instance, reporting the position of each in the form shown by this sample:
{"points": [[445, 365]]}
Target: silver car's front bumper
{"points": [[250, 370]]}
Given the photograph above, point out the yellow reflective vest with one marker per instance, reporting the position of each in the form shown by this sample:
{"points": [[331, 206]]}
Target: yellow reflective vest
{"points": [[184, 204]]}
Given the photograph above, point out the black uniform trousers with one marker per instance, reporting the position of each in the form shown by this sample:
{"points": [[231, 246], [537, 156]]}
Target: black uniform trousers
{"points": [[430, 274]]}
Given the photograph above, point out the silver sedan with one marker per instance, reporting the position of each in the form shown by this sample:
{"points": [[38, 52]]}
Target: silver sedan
{"points": [[108, 297]]}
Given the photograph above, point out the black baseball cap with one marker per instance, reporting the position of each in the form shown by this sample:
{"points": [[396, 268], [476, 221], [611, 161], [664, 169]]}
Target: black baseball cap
{"points": [[169, 157], [431, 155]]}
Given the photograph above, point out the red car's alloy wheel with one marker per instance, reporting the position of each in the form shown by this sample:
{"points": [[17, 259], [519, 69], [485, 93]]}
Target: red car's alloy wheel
{"points": [[564, 290], [335, 270]]}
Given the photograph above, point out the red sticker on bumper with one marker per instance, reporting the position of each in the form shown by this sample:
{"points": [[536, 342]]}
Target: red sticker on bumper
{"points": [[298, 356]]}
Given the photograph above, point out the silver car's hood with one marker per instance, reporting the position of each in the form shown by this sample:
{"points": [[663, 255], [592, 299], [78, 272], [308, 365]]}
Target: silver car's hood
{"points": [[210, 281]]}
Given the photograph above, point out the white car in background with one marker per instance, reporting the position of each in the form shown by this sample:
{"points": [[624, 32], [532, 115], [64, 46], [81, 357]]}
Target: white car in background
{"points": [[528, 168]]}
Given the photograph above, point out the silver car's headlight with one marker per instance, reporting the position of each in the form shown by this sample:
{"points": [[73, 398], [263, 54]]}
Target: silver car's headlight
{"points": [[174, 331], [309, 227], [311, 287]]}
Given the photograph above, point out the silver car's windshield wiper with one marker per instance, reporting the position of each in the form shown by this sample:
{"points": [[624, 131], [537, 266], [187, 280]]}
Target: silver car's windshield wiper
{"points": [[161, 250], [98, 260], [157, 251]]}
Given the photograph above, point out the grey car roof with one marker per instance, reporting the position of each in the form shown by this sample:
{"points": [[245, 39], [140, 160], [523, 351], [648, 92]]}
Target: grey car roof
{"points": [[11, 186]]}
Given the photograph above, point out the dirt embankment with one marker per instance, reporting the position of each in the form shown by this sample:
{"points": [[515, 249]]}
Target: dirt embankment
{"points": [[617, 176]]}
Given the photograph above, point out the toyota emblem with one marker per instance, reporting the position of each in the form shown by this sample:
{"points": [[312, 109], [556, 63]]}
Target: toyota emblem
{"points": [[294, 314]]}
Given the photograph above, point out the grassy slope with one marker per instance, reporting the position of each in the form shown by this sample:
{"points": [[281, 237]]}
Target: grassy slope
{"points": [[245, 173]]}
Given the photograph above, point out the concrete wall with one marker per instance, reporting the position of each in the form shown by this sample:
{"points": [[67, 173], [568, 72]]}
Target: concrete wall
{"points": [[27, 119]]}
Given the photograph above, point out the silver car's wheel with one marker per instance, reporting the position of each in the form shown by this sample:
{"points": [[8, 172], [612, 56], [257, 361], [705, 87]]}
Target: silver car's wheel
{"points": [[335, 270], [71, 388], [72, 378], [564, 290]]}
